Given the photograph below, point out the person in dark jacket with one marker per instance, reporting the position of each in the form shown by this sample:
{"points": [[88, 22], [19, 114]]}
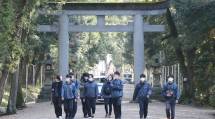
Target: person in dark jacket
{"points": [[84, 80], [142, 92], [116, 94], [171, 95], [77, 85], [69, 95], [106, 93], [91, 93], [56, 96]]}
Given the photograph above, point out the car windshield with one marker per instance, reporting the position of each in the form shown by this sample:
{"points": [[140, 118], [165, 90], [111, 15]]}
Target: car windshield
{"points": [[128, 75], [99, 80]]}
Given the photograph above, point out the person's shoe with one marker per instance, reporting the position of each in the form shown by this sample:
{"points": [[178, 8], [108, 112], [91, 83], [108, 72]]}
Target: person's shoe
{"points": [[109, 116], [106, 116], [92, 115], [60, 117], [85, 116]]}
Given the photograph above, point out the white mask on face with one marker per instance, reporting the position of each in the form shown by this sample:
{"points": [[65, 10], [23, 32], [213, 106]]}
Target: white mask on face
{"points": [[116, 77], [57, 80], [73, 78], [86, 78], [170, 80], [142, 79], [67, 80], [61, 77], [90, 79]]}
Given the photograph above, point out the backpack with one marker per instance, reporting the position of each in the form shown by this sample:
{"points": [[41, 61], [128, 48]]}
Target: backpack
{"points": [[107, 90]]}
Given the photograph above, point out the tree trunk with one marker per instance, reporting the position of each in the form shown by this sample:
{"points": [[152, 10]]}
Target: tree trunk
{"points": [[3, 81], [20, 100], [181, 59], [37, 73], [30, 75], [38, 67], [187, 71], [11, 108], [190, 54]]}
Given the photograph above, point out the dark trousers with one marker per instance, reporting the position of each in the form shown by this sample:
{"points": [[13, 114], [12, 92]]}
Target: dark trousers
{"points": [[143, 104], [170, 108], [117, 107], [108, 105], [84, 106], [57, 106], [68, 108], [75, 107], [91, 105]]}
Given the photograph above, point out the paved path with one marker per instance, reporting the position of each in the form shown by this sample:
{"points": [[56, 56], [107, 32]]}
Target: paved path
{"points": [[130, 111]]}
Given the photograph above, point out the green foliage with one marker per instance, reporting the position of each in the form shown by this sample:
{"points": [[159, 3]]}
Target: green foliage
{"points": [[120, 1], [6, 23], [195, 20]]}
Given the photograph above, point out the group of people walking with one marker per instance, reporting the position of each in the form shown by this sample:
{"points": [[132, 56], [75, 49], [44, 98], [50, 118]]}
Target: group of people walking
{"points": [[143, 92], [67, 93]]}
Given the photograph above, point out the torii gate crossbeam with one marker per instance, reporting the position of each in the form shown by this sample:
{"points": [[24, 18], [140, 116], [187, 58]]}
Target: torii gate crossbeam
{"points": [[138, 27]]}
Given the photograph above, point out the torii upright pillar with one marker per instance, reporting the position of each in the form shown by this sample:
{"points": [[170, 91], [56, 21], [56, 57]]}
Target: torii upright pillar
{"points": [[63, 36], [138, 43]]}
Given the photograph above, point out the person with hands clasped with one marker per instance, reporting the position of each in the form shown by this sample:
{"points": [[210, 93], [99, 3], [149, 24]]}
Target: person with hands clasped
{"points": [[69, 95], [116, 94], [106, 93], [91, 94], [56, 96], [77, 85], [142, 93], [83, 81], [171, 95]]}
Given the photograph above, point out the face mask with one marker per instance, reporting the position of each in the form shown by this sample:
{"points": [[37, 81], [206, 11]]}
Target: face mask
{"points": [[85, 78], [68, 80], [170, 80], [142, 79], [73, 78], [90, 79], [116, 77], [61, 77]]}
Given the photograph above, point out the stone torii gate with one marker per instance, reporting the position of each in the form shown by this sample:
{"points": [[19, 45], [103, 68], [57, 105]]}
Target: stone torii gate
{"points": [[138, 27]]}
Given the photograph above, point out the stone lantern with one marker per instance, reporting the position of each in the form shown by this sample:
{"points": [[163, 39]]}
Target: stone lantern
{"points": [[49, 70]]}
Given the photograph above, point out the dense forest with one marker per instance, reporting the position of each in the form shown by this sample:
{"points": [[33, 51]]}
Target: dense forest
{"points": [[188, 40]]}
